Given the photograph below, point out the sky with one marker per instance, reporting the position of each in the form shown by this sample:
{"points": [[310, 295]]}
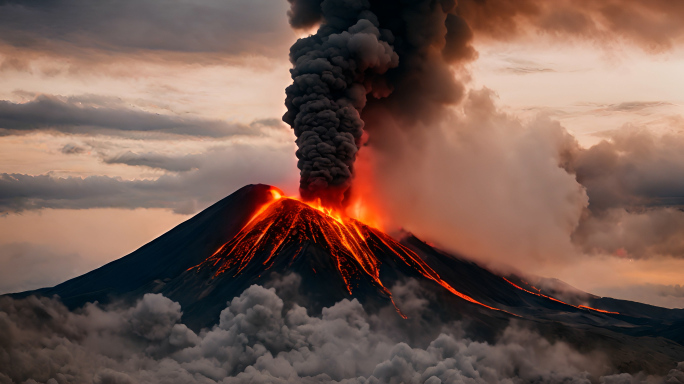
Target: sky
{"points": [[562, 159]]}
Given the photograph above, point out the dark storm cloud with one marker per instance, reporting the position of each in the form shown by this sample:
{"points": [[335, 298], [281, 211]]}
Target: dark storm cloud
{"points": [[156, 160], [72, 115], [78, 27], [258, 340], [220, 172]]}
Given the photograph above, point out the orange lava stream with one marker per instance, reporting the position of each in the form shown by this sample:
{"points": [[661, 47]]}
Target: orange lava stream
{"points": [[352, 244], [554, 299]]}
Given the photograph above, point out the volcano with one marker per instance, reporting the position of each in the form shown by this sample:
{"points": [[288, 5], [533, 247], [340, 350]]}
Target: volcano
{"points": [[258, 236]]}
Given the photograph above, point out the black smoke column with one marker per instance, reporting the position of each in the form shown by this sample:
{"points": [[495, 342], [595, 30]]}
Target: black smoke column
{"points": [[333, 72], [397, 51]]}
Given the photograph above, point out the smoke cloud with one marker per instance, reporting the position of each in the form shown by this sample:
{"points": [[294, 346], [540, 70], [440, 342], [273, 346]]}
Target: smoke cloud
{"points": [[481, 183], [487, 185], [410, 60], [448, 165], [398, 53], [333, 71], [258, 340]]}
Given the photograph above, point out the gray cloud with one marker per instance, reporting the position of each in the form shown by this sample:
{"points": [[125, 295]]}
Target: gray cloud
{"points": [[632, 168], [73, 149], [156, 160], [76, 27], [633, 106], [528, 70], [257, 340], [635, 183], [72, 115], [669, 290], [523, 67], [643, 233], [222, 172]]}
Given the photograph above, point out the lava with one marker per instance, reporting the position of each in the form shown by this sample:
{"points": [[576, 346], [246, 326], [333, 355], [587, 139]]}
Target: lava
{"points": [[538, 293], [353, 246]]}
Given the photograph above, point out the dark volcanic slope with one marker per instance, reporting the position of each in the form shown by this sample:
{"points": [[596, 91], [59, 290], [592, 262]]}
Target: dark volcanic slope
{"points": [[166, 257], [247, 238]]}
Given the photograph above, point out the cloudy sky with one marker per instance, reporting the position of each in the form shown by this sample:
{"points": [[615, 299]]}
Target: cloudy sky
{"points": [[120, 120]]}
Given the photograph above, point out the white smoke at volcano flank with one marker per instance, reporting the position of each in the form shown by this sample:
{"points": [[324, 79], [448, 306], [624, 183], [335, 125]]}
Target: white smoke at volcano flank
{"points": [[257, 340]]}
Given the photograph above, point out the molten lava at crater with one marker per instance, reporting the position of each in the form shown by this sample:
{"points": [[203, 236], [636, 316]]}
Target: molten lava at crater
{"points": [[353, 246]]}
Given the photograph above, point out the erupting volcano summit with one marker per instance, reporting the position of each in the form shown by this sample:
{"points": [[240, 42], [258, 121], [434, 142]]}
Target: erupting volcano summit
{"points": [[284, 223]]}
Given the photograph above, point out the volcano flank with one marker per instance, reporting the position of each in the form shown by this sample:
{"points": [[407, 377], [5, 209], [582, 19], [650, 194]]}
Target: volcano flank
{"points": [[258, 236]]}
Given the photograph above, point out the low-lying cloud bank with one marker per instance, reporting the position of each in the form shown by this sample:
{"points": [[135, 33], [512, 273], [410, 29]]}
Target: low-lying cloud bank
{"points": [[259, 341], [219, 172], [90, 115]]}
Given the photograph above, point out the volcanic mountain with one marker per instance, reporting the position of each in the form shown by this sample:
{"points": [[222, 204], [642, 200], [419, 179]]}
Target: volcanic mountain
{"points": [[258, 236]]}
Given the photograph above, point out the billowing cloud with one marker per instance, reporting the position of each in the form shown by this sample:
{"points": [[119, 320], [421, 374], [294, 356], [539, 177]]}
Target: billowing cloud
{"points": [[632, 168], [78, 27], [72, 115], [634, 183], [481, 183], [258, 340], [222, 172], [508, 192]]}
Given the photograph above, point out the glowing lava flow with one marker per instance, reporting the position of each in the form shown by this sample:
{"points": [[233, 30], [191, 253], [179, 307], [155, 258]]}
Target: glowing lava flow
{"points": [[351, 244], [556, 300]]}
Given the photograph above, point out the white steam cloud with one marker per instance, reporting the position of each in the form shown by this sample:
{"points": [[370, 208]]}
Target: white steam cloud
{"points": [[259, 340]]}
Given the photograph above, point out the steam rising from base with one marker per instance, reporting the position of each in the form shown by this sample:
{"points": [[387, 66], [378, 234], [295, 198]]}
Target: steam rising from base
{"points": [[258, 340]]}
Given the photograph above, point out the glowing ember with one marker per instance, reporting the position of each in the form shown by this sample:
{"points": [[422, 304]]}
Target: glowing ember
{"points": [[352, 245], [538, 293]]}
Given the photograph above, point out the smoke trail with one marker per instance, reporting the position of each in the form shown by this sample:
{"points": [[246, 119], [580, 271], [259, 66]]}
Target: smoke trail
{"points": [[396, 52]]}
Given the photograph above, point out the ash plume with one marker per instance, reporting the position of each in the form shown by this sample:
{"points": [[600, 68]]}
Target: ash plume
{"points": [[398, 53]]}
